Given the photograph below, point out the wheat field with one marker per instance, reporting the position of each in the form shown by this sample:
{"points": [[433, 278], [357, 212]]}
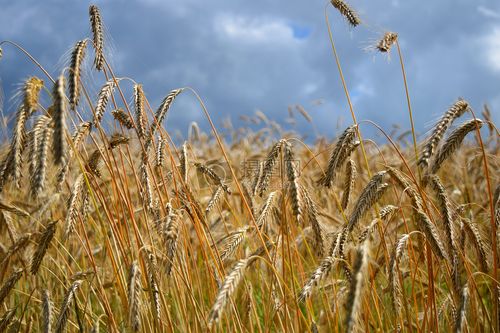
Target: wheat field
{"points": [[109, 224]]}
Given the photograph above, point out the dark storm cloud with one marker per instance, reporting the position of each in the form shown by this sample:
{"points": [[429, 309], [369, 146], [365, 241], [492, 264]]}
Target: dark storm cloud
{"points": [[247, 55]]}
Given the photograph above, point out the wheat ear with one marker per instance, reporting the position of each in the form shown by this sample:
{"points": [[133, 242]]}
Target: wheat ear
{"points": [[152, 279], [12, 163], [20, 244], [228, 288], [445, 208], [62, 320], [43, 244], [454, 112], [59, 119], [170, 235], [453, 142], [476, 239], [350, 15], [268, 169], [102, 100], [123, 118], [341, 152], [293, 181], [460, 320], [75, 71], [183, 162], [360, 268], [98, 35], [312, 215], [46, 312], [9, 284], [140, 116], [394, 284], [368, 197], [214, 199], [6, 319], [134, 288], [350, 181], [41, 143], [265, 210], [386, 42], [162, 110], [425, 225]]}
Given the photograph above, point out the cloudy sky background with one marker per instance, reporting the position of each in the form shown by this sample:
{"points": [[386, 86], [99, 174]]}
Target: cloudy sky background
{"points": [[267, 54]]}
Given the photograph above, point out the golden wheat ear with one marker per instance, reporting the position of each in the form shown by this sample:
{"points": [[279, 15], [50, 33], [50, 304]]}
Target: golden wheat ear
{"points": [[47, 312], [62, 320], [123, 118], [133, 295], [43, 244], [10, 283], [453, 142], [59, 147], [357, 288], [75, 71], [350, 15], [454, 112], [98, 36], [102, 100], [6, 319], [343, 149], [385, 44]]}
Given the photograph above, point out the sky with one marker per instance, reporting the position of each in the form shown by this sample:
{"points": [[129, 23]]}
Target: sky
{"points": [[242, 56]]}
